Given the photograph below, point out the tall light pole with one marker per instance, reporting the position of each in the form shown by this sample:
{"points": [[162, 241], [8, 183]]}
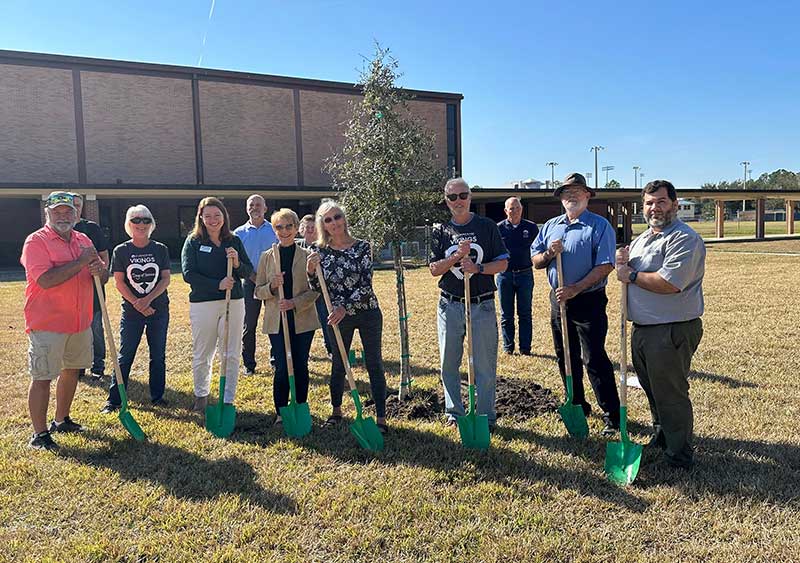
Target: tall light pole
{"points": [[552, 166], [745, 163], [606, 169], [596, 149], [636, 176]]}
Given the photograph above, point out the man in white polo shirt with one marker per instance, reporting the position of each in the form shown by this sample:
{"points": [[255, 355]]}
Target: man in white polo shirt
{"points": [[664, 270]]}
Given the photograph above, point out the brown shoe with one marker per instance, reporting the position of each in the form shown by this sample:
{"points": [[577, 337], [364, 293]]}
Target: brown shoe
{"points": [[200, 404]]}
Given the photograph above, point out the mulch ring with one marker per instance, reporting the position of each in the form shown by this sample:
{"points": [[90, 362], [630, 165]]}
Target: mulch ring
{"points": [[515, 399]]}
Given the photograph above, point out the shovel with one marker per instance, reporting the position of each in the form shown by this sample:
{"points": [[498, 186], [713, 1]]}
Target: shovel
{"points": [[221, 418], [296, 416], [572, 415], [364, 429], [474, 428], [623, 457], [125, 416]]}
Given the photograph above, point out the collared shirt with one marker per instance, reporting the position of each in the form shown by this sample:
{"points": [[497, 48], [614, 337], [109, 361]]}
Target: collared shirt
{"points": [[518, 239], [66, 307], [678, 255], [588, 242], [256, 239]]}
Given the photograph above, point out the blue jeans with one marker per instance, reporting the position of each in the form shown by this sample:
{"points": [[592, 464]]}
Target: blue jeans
{"points": [[451, 324], [519, 286], [131, 326], [98, 343]]}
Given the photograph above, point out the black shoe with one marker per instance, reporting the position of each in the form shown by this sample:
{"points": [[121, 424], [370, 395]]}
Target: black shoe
{"points": [[587, 409], [81, 373], [657, 441], [68, 425], [509, 352], [682, 463], [161, 402], [611, 426], [109, 408], [250, 371], [525, 353], [97, 374], [42, 441]]}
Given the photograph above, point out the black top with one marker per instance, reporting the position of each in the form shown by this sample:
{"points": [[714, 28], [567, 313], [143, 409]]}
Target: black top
{"points": [[142, 268], [485, 246], [95, 234], [204, 265], [287, 258], [348, 275], [518, 240]]}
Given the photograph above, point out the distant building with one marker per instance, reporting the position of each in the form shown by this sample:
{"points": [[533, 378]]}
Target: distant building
{"points": [[688, 210]]}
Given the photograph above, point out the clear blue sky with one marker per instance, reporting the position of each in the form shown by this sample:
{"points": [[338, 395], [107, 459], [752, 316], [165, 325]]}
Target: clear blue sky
{"points": [[686, 90]]}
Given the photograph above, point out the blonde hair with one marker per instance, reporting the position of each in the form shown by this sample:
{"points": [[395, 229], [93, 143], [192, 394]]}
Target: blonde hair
{"points": [[138, 211], [323, 238], [284, 213]]}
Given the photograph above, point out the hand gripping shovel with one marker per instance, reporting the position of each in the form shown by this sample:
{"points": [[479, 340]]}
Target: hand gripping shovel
{"points": [[221, 418], [572, 415], [474, 428], [125, 416], [623, 457], [296, 416], [364, 429]]}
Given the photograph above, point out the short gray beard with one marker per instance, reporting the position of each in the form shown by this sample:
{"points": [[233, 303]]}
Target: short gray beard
{"points": [[60, 226], [668, 219]]}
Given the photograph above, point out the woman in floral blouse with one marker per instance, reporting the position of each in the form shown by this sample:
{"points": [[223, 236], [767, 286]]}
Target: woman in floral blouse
{"points": [[347, 267]]}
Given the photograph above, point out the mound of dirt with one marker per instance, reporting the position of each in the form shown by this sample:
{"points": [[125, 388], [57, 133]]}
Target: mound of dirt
{"points": [[515, 399]]}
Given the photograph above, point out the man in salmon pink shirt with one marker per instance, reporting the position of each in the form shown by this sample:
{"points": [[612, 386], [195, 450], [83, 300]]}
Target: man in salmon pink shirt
{"points": [[59, 264]]}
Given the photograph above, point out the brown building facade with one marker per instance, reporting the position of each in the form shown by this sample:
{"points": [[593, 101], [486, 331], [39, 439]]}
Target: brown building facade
{"points": [[124, 133]]}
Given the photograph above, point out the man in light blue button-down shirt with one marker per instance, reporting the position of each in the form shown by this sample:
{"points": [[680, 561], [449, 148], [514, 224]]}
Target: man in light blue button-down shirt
{"points": [[586, 242]]}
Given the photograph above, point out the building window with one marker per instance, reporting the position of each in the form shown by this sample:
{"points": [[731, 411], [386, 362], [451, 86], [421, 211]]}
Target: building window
{"points": [[452, 138]]}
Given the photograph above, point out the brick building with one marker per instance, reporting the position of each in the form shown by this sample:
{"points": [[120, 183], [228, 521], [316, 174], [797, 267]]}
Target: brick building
{"points": [[123, 133]]}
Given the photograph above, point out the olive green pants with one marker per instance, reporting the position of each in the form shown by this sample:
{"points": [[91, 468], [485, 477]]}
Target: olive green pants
{"points": [[662, 355]]}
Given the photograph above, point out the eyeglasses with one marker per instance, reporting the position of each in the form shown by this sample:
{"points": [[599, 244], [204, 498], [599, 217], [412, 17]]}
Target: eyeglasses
{"points": [[462, 195], [288, 227], [337, 217], [141, 220], [61, 198]]}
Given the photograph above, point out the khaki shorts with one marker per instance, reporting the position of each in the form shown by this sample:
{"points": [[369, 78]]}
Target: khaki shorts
{"points": [[50, 352]]}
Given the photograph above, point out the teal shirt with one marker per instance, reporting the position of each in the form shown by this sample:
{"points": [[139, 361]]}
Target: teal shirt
{"points": [[204, 265]]}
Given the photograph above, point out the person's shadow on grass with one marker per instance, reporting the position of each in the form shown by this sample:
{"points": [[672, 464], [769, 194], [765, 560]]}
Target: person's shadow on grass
{"points": [[182, 474]]}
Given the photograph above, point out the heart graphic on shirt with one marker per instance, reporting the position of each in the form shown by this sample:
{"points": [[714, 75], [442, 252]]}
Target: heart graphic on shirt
{"points": [[143, 278], [475, 254]]}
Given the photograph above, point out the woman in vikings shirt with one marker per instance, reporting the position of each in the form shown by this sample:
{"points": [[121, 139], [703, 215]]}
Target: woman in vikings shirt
{"points": [[141, 272]]}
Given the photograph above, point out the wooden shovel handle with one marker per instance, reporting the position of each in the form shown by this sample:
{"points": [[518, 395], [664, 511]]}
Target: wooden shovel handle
{"points": [[564, 327], [468, 319], [109, 331], [336, 333], [287, 344], [623, 345]]}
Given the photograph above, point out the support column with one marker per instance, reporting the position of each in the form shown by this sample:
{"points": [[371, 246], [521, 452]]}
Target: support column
{"points": [[613, 216], [760, 215], [91, 209], [789, 217], [719, 217], [627, 222], [41, 208]]}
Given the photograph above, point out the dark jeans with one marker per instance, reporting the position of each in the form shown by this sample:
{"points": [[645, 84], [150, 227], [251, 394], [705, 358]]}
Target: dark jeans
{"points": [[662, 355], [131, 326], [517, 286], [370, 327], [98, 342], [301, 345], [587, 325], [327, 336], [252, 311]]}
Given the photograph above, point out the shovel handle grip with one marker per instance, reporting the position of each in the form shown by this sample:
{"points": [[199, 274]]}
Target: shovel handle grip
{"points": [[340, 343]]}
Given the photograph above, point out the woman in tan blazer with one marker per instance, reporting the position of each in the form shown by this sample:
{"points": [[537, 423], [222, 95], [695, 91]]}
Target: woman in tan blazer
{"points": [[298, 301]]}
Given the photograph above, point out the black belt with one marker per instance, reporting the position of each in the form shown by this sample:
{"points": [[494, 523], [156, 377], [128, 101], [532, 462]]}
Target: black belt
{"points": [[520, 270], [474, 300]]}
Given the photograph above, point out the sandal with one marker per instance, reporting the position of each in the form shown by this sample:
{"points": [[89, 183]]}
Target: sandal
{"points": [[333, 420]]}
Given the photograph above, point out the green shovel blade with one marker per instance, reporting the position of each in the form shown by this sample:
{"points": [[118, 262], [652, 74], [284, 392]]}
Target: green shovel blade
{"points": [[573, 415], [296, 419], [365, 430], [221, 418], [622, 462], [474, 428], [126, 418]]}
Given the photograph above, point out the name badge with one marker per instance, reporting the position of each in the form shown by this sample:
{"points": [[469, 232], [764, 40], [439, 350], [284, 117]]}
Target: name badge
{"points": [[205, 248]]}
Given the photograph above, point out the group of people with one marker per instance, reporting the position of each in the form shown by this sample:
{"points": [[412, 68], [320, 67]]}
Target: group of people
{"points": [[663, 267]]}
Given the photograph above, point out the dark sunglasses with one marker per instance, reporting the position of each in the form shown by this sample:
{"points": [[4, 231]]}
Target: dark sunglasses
{"points": [[337, 217], [142, 220], [462, 195], [288, 227]]}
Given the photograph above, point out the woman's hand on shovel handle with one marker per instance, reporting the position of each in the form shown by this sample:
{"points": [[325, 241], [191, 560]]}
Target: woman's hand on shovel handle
{"points": [[337, 315]]}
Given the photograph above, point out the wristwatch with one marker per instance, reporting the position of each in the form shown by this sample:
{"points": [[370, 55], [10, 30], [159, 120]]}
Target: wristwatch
{"points": [[632, 276], [480, 268]]}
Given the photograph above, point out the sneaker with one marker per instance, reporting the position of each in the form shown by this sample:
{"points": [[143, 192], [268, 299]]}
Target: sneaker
{"points": [[161, 402], [525, 353], [68, 425], [97, 374], [450, 422], [657, 441], [250, 371], [610, 429], [109, 408], [200, 404], [42, 441]]}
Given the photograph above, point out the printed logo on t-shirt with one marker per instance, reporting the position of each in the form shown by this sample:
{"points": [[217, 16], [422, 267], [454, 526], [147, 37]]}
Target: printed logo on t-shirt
{"points": [[143, 273], [475, 253]]}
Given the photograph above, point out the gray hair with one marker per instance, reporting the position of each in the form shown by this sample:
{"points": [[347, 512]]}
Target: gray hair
{"points": [[323, 238], [452, 182], [138, 211]]}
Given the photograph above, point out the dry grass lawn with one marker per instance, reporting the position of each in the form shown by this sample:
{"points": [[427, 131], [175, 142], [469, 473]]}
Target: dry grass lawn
{"points": [[536, 495]]}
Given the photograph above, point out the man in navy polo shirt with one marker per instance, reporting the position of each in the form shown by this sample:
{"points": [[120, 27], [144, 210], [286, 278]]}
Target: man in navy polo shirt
{"points": [[586, 242], [257, 236], [516, 283]]}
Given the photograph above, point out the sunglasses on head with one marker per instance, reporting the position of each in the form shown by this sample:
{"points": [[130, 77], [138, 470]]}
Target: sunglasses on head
{"points": [[287, 227], [336, 217], [141, 220], [462, 195], [60, 199]]}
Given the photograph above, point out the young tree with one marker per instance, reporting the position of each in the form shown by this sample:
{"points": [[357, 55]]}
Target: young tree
{"points": [[388, 175]]}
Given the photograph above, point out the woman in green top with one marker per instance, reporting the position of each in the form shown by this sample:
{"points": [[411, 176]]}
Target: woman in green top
{"points": [[204, 262]]}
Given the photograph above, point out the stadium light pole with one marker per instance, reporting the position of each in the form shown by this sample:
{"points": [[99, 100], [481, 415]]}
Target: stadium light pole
{"points": [[635, 176], [606, 169], [596, 149], [552, 166], [745, 163]]}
